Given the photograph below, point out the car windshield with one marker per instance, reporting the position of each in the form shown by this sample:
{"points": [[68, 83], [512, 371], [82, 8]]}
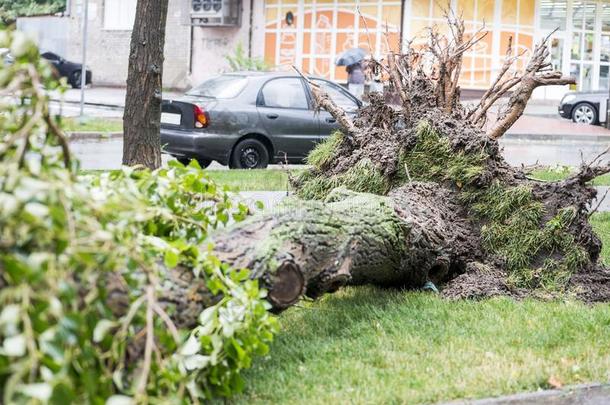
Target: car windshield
{"points": [[227, 86]]}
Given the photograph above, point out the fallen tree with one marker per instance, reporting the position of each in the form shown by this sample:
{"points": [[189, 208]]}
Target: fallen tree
{"points": [[419, 192], [108, 287]]}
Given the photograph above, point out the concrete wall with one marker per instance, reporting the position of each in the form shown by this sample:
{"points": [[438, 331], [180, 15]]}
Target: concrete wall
{"points": [[51, 33], [108, 50], [212, 44]]}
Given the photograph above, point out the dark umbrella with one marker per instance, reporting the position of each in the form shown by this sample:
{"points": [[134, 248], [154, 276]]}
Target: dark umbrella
{"points": [[350, 57]]}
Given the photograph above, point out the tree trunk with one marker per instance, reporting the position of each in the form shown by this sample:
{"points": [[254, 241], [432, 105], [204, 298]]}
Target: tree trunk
{"points": [[412, 236], [142, 120]]}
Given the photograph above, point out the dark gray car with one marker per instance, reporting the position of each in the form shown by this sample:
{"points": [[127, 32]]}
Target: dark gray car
{"points": [[249, 120], [585, 107]]}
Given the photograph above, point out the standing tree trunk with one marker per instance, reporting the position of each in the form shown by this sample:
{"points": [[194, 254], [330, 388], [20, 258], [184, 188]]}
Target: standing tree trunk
{"points": [[142, 120]]}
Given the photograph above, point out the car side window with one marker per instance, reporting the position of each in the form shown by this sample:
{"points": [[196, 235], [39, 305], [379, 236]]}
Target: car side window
{"points": [[285, 93], [338, 96]]}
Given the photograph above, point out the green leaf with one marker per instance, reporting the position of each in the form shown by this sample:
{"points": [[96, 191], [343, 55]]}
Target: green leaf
{"points": [[102, 328], [171, 258], [120, 400], [14, 346]]}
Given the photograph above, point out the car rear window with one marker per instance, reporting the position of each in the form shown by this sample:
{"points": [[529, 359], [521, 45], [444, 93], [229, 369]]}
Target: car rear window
{"points": [[227, 86]]}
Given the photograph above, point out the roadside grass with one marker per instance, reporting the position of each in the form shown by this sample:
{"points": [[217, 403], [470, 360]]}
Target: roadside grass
{"points": [[562, 172], [103, 125], [244, 180], [253, 180], [371, 345]]}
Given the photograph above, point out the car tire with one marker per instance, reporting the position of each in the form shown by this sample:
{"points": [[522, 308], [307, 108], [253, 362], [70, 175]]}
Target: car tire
{"points": [[584, 113], [249, 154], [75, 79], [204, 163]]}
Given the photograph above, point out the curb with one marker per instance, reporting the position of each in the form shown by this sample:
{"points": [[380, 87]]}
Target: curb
{"points": [[592, 394], [556, 137], [89, 104]]}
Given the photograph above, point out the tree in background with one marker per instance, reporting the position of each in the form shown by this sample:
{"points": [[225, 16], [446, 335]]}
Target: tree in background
{"points": [[142, 120], [11, 9]]}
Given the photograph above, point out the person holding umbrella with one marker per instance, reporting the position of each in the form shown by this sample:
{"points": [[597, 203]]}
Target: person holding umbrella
{"points": [[352, 60]]}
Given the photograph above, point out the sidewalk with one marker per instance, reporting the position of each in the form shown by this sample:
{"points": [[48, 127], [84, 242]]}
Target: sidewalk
{"points": [[586, 394], [540, 120]]}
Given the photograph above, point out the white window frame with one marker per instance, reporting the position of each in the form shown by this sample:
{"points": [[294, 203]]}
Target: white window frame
{"points": [[119, 15]]}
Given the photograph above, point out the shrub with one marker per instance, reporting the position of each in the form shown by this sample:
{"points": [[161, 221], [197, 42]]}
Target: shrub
{"points": [[84, 261]]}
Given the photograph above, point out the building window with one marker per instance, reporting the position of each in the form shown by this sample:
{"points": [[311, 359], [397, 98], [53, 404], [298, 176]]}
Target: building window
{"points": [[312, 33], [119, 15]]}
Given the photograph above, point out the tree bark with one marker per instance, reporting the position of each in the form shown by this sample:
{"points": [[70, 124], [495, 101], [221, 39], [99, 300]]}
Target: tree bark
{"points": [[414, 235], [142, 119]]}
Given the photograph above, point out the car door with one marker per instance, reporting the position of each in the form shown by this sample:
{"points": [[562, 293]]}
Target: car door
{"points": [[342, 98], [285, 111]]}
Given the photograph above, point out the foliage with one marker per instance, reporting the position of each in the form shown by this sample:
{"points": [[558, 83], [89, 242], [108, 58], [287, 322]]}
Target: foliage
{"points": [[239, 61], [375, 345], [11, 9], [363, 177], [85, 262], [325, 151]]}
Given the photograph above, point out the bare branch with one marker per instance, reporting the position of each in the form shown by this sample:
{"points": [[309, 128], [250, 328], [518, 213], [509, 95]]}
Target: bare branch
{"points": [[323, 100], [536, 74]]}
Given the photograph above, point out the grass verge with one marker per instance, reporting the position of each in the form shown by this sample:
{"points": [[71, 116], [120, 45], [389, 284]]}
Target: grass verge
{"points": [[252, 180], [562, 172], [368, 345], [103, 125]]}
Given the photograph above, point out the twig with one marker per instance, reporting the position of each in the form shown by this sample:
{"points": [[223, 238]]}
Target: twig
{"points": [[324, 101], [366, 29], [168, 322], [148, 349]]}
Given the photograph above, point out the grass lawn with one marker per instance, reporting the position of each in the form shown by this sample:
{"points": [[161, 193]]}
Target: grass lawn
{"points": [[562, 172], [252, 180], [368, 345], [103, 125]]}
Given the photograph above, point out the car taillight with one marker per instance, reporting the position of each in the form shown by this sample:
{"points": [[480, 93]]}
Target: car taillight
{"points": [[202, 118]]}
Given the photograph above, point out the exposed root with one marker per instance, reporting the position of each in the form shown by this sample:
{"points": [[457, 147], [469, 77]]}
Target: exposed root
{"points": [[528, 237]]}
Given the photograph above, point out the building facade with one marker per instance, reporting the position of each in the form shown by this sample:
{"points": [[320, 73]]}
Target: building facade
{"points": [[312, 33], [321, 29]]}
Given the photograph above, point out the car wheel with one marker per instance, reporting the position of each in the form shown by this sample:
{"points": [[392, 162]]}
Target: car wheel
{"points": [[584, 113], [249, 154], [204, 163], [75, 80]]}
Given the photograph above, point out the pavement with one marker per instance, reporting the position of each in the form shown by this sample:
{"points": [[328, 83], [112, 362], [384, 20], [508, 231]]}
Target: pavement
{"points": [[589, 394]]}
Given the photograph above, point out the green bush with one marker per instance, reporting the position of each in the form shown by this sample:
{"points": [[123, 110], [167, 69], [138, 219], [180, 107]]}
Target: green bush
{"points": [[239, 61], [11, 9], [64, 239]]}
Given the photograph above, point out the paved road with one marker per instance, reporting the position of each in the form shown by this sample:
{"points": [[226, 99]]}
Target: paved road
{"points": [[592, 394]]}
